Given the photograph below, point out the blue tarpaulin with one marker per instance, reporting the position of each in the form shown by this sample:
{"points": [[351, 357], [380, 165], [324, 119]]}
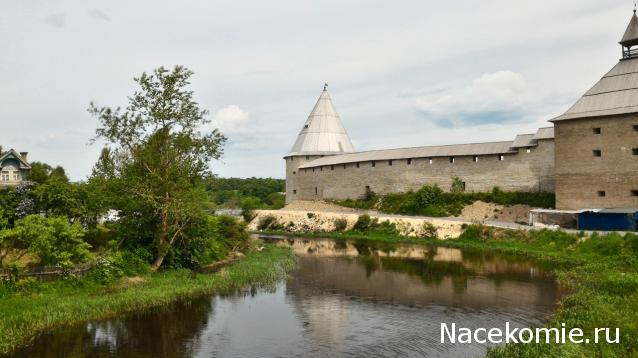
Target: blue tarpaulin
{"points": [[608, 220]]}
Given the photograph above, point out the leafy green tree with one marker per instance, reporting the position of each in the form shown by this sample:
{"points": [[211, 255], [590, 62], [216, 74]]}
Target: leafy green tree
{"points": [[58, 173], [39, 172], [248, 206], [53, 239], [276, 200], [160, 157]]}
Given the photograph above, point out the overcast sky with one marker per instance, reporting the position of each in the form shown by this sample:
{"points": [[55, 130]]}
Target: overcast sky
{"points": [[401, 73]]}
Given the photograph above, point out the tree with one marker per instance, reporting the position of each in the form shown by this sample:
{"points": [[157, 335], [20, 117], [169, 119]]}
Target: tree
{"points": [[52, 239], [160, 157], [42, 172], [39, 172]]}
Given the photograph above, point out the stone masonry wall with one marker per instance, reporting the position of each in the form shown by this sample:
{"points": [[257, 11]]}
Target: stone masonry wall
{"points": [[580, 175], [522, 171]]}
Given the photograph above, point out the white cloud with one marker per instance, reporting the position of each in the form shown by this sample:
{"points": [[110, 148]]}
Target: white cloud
{"points": [[491, 98], [231, 120]]}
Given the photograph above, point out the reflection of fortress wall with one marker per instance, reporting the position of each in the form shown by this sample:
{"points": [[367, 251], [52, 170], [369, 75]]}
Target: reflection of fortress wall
{"points": [[352, 278], [484, 266], [328, 316]]}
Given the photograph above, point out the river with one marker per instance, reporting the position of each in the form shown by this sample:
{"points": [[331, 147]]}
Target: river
{"points": [[346, 298]]}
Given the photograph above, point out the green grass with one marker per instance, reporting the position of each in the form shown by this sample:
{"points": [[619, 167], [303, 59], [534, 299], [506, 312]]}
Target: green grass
{"points": [[599, 275], [59, 303]]}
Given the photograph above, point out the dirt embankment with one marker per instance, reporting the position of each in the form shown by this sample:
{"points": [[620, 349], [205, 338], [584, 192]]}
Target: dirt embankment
{"points": [[322, 221], [480, 211]]}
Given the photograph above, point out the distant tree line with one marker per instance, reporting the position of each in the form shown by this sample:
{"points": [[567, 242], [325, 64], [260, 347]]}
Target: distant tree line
{"points": [[252, 193]]}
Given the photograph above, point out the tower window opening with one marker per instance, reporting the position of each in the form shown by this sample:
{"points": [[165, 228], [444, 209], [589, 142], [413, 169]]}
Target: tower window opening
{"points": [[332, 167], [635, 127], [374, 164], [357, 164], [451, 159], [409, 161], [307, 157], [316, 191], [597, 153], [634, 151], [389, 162], [501, 157], [475, 159], [528, 149], [601, 193], [294, 172], [634, 193], [294, 191], [430, 160], [596, 130], [344, 166]]}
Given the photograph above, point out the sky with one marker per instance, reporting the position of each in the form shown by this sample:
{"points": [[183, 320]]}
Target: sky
{"points": [[401, 73]]}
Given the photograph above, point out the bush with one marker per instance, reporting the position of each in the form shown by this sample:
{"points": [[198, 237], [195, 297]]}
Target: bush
{"points": [[107, 269], [135, 262], [209, 239], [368, 201], [276, 200], [52, 239], [248, 206], [457, 185], [430, 200], [429, 231], [341, 224], [101, 236], [266, 222], [363, 223]]}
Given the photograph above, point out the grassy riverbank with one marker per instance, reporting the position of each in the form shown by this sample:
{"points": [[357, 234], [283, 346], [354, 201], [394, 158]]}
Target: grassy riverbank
{"points": [[66, 302], [600, 273]]}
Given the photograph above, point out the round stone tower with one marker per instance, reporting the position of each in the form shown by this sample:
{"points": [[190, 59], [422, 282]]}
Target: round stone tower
{"points": [[322, 134]]}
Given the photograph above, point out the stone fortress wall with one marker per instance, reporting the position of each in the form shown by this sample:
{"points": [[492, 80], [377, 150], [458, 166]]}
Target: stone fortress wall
{"points": [[527, 169]]}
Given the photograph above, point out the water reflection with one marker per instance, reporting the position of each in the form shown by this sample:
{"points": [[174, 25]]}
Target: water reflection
{"points": [[345, 298], [418, 275]]}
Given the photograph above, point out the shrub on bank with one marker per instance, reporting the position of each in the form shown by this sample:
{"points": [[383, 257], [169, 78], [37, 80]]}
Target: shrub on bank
{"points": [[341, 224], [363, 223], [210, 239], [429, 231], [266, 222], [431, 200]]}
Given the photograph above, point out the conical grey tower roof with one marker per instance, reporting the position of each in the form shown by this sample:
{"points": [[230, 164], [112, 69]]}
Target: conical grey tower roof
{"points": [[616, 93], [323, 133], [630, 38]]}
